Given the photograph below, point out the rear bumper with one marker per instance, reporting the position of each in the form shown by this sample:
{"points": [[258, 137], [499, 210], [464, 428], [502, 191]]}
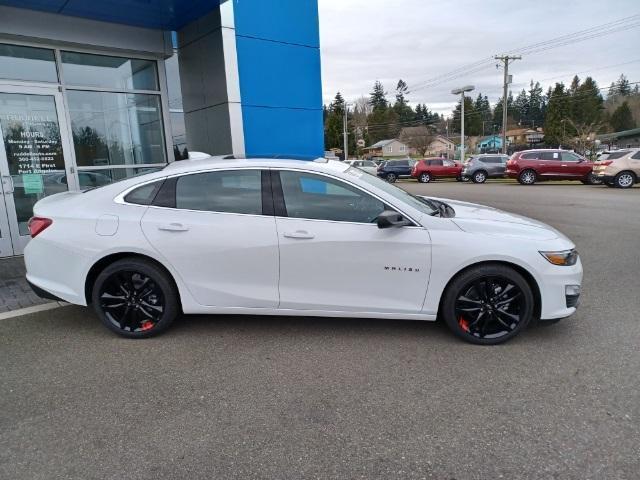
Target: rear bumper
{"points": [[43, 293], [605, 177]]}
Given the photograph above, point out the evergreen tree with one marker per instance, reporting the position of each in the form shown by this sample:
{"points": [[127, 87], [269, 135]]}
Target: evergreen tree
{"points": [[333, 131], [587, 104], [622, 119], [378, 97], [536, 106], [623, 87], [405, 113], [497, 112], [472, 118], [556, 127], [521, 107]]}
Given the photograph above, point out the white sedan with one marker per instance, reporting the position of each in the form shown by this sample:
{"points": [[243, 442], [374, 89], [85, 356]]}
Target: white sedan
{"points": [[288, 237], [364, 165]]}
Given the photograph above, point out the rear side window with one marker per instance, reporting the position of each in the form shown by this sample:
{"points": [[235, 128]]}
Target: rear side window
{"points": [[549, 156], [233, 191], [636, 156], [616, 155], [529, 156], [145, 194]]}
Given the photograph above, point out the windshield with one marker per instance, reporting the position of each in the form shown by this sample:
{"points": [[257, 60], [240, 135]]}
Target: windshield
{"points": [[423, 205]]}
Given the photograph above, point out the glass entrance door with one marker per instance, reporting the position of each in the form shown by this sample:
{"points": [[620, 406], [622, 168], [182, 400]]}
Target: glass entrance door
{"points": [[34, 143]]}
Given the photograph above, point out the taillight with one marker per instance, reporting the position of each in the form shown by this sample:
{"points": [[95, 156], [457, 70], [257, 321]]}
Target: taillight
{"points": [[606, 163], [37, 225]]}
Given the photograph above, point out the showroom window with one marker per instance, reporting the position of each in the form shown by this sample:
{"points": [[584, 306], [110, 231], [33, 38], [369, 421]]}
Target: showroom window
{"points": [[31, 64], [116, 115]]}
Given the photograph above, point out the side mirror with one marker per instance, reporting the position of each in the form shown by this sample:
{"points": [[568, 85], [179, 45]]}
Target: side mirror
{"points": [[391, 219]]}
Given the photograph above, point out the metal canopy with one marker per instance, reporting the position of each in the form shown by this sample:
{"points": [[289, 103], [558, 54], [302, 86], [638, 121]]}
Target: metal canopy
{"points": [[156, 14]]}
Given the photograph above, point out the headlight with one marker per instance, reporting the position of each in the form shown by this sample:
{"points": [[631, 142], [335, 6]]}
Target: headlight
{"points": [[565, 258]]}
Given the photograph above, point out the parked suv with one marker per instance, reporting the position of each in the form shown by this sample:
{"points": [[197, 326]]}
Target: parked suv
{"points": [[431, 168], [619, 169], [391, 170], [531, 166], [481, 167]]}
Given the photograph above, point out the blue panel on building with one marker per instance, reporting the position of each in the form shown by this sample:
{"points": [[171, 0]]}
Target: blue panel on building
{"points": [[283, 131], [158, 14], [290, 21], [279, 75]]}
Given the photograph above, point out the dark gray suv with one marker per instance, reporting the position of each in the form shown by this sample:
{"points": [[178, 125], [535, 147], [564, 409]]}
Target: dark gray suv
{"points": [[481, 167]]}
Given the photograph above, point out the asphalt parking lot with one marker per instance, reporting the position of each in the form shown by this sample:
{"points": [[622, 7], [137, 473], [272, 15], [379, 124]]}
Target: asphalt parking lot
{"points": [[289, 398]]}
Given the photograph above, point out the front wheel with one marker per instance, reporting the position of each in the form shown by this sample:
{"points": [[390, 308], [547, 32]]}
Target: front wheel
{"points": [[424, 178], [391, 177], [488, 304], [135, 298], [479, 177]]}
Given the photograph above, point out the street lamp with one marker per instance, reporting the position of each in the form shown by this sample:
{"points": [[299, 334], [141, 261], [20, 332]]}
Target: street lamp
{"points": [[461, 92]]}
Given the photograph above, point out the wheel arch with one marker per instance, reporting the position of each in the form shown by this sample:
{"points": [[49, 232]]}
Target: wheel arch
{"points": [[104, 262], [629, 171], [535, 288]]}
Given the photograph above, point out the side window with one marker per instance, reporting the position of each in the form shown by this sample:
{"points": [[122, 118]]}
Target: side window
{"points": [[549, 156], [233, 191], [403, 163], [145, 194], [529, 156], [636, 156], [316, 197], [569, 157], [448, 163]]}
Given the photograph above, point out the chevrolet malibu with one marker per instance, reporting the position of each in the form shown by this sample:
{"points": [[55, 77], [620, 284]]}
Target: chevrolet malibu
{"points": [[289, 237]]}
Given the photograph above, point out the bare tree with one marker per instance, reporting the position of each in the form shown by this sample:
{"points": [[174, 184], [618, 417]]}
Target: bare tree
{"points": [[419, 138], [584, 141]]}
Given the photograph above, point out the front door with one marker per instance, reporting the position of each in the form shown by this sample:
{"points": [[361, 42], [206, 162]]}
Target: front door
{"points": [[34, 143], [333, 256]]}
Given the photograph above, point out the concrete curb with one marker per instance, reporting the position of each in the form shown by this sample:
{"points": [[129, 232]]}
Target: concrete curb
{"points": [[29, 310]]}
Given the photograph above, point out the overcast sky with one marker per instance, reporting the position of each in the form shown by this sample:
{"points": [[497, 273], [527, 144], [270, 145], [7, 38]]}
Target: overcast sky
{"points": [[416, 40]]}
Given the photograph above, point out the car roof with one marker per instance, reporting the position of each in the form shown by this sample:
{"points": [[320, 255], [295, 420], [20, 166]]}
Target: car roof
{"points": [[186, 166]]}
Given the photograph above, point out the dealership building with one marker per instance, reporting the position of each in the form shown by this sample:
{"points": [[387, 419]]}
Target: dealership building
{"points": [[96, 91]]}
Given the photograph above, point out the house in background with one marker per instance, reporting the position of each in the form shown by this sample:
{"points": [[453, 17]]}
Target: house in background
{"points": [[442, 146], [624, 139], [492, 144], [524, 136], [389, 148]]}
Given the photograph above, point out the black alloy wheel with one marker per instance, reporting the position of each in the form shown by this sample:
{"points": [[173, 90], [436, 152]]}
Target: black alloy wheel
{"points": [[134, 298], [488, 305]]}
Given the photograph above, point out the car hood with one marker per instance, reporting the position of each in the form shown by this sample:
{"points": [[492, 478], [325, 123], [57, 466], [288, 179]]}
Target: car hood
{"points": [[474, 218]]}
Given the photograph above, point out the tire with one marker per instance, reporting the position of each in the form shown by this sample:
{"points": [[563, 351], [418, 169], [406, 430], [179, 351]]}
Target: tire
{"points": [[527, 177], [592, 180], [479, 177], [135, 298], [492, 323], [624, 180], [459, 178], [424, 177], [391, 177]]}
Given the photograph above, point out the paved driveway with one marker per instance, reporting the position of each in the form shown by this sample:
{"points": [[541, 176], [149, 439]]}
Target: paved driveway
{"points": [[288, 398]]}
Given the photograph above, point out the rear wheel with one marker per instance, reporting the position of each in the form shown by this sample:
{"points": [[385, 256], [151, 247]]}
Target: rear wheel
{"points": [[624, 180], [527, 177], [488, 304], [391, 177], [479, 177], [424, 177], [135, 298], [592, 179]]}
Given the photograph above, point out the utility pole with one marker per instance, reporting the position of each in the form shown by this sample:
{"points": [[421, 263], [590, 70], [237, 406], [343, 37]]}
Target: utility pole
{"points": [[345, 133], [461, 92], [507, 80]]}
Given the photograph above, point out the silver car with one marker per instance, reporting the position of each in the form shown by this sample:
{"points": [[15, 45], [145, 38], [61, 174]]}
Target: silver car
{"points": [[481, 167]]}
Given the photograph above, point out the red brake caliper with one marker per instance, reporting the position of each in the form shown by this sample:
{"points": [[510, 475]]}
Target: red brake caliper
{"points": [[464, 325], [147, 326]]}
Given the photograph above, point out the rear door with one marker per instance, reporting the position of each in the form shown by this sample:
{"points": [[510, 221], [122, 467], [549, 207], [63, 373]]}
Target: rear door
{"points": [[549, 164], [218, 231], [333, 256]]}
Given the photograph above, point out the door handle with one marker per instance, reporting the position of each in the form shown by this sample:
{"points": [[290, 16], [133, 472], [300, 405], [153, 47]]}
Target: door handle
{"points": [[173, 227], [300, 235], [7, 183], [563, 165]]}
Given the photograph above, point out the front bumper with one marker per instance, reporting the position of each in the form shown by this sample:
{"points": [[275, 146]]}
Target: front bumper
{"points": [[556, 303]]}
